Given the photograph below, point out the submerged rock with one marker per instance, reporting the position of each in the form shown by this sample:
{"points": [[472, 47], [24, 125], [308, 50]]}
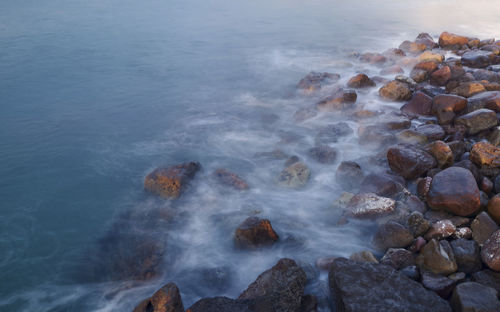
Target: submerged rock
{"points": [[254, 233], [341, 99], [228, 178], [166, 299], [367, 287], [314, 81], [170, 182], [349, 175], [295, 175], [323, 154], [490, 252]]}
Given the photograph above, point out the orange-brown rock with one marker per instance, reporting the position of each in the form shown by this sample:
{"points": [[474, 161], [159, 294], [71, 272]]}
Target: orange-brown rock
{"points": [[314, 81], [166, 299], [479, 120], [451, 41], [412, 47], [228, 178], [446, 105], [441, 76], [339, 100], [420, 104], [425, 38], [494, 208], [428, 66], [392, 70], [442, 152], [170, 182], [485, 154], [373, 58], [409, 161], [395, 91], [468, 89], [255, 232], [430, 56], [360, 81]]}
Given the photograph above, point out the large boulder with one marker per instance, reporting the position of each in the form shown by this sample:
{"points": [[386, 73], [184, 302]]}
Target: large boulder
{"points": [[451, 41], [490, 252], [474, 297], [255, 232], [454, 190], [409, 161], [396, 91], [479, 120], [170, 182], [166, 299], [368, 287]]}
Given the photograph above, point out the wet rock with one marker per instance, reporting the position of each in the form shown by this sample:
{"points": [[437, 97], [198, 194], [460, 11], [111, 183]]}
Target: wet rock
{"points": [[314, 81], [369, 205], [463, 232], [494, 137], [409, 161], [441, 285], [454, 190], [304, 114], [442, 153], [254, 233], [373, 58], [375, 287], [470, 296], [419, 75], [396, 122], [431, 131], [451, 41], [487, 278], [332, 132], [221, 304], [228, 178], [485, 155], [458, 148], [374, 134], [172, 181], [423, 186], [417, 244], [295, 175], [440, 229], [360, 81], [409, 136], [292, 160], [484, 74], [488, 99], [482, 227], [412, 47], [281, 287], [392, 70], [425, 38], [486, 185], [349, 175], [166, 299], [479, 120], [429, 66], [309, 303], [466, 255], [468, 89], [392, 235], [441, 76], [341, 99], [404, 79], [469, 165], [437, 257], [395, 91], [323, 154], [382, 184], [477, 59], [417, 224], [412, 203], [494, 208], [420, 104], [398, 258], [431, 56], [363, 256]]}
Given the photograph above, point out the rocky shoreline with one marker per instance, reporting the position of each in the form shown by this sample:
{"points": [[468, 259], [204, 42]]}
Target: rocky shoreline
{"points": [[435, 199]]}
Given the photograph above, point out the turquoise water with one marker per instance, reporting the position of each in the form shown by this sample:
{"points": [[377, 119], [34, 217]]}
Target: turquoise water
{"points": [[95, 94]]}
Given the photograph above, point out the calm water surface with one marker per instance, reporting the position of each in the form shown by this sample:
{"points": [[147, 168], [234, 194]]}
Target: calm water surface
{"points": [[94, 94]]}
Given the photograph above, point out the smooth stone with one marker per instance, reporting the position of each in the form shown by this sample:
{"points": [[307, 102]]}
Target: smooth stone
{"points": [[467, 255], [255, 232], [437, 257], [490, 251], [482, 227], [409, 161], [479, 120], [474, 297]]}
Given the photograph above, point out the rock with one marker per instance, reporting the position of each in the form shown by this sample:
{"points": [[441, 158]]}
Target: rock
{"points": [[463, 232], [420, 104], [325, 263], [417, 224], [369, 205], [363, 256], [441, 285], [458, 148], [437, 257], [382, 184], [332, 132], [342, 99], [457, 277], [392, 70], [349, 175], [470, 296], [392, 235], [411, 137], [441, 76], [419, 75], [429, 66], [494, 208], [466, 255], [360, 81], [412, 47], [170, 182], [281, 287], [395, 91], [486, 185], [409, 161], [404, 79], [254, 233], [373, 134], [488, 99], [228, 178], [442, 153], [494, 137], [431, 131], [467, 164], [295, 175], [371, 287], [423, 186], [411, 203], [487, 278], [417, 244], [323, 154], [477, 59], [451, 41], [454, 190], [431, 56], [485, 155], [425, 38], [166, 299], [440, 229], [398, 258], [468, 89], [396, 122], [373, 58], [314, 81], [479, 120], [482, 227], [309, 303]]}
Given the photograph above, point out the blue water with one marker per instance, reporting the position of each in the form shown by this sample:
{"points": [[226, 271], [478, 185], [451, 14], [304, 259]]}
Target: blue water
{"points": [[95, 94]]}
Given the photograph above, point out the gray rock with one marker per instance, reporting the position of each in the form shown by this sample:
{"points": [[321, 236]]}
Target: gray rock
{"points": [[474, 297], [467, 255]]}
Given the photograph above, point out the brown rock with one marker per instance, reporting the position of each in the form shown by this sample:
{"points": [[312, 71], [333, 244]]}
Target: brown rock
{"points": [[488, 99], [454, 190], [428, 66], [442, 152], [230, 179], [382, 184], [409, 161], [323, 154], [482, 227], [431, 131], [423, 186], [395, 91], [419, 75], [392, 70], [431, 56], [314, 81], [437, 257], [412, 47], [485, 154], [494, 208], [441, 76], [392, 235], [463, 232], [420, 104], [467, 255], [369, 205], [254, 233], [468, 89], [341, 99], [295, 175], [442, 285], [451, 41], [398, 258], [477, 59], [166, 299], [373, 58], [425, 38], [439, 230], [479, 120], [417, 224], [360, 81], [363, 256], [170, 182]]}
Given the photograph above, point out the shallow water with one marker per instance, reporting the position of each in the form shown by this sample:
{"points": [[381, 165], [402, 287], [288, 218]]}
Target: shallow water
{"points": [[95, 94]]}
